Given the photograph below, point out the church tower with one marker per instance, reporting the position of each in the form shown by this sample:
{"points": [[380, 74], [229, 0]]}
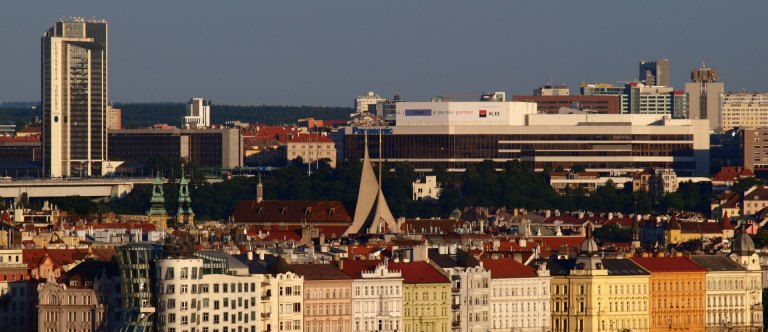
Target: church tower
{"points": [[184, 214], [157, 213]]}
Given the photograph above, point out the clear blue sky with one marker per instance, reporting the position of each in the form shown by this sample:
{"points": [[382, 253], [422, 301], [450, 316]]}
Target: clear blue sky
{"points": [[327, 52]]}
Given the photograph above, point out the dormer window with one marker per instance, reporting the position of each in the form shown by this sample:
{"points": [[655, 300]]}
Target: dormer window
{"points": [[332, 211], [283, 210], [74, 283], [307, 211], [261, 209]]}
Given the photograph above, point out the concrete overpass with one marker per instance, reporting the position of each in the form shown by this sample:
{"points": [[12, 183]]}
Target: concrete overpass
{"points": [[94, 188]]}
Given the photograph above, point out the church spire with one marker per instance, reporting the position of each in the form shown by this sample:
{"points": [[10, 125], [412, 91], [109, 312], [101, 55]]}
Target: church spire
{"points": [[184, 214], [372, 213]]}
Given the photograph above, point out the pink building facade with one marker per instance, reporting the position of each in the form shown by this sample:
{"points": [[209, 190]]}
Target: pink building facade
{"points": [[327, 298]]}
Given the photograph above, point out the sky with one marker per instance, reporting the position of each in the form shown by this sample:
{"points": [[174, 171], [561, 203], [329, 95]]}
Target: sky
{"points": [[312, 52]]}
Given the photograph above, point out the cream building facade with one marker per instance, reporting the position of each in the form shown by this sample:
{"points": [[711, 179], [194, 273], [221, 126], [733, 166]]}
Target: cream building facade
{"points": [[520, 296], [311, 148], [746, 110], [731, 293]]}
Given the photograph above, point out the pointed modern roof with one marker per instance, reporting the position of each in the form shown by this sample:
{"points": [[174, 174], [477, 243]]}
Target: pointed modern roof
{"points": [[372, 212]]}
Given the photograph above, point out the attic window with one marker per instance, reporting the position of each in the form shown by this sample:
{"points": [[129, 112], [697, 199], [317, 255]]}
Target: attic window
{"points": [[88, 283], [332, 211], [282, 211], [307, 211], [261, 209], [74, 283]]}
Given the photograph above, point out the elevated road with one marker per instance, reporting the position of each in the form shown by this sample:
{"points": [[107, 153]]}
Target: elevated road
{"points": [[95, 188]]}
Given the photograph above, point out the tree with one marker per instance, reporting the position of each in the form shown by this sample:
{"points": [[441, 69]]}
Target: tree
{"points": [[612, 233]]}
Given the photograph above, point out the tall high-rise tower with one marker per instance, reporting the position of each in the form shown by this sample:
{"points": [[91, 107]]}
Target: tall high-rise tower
{"points": [[654, 73], [704, 95], [74, 95]]}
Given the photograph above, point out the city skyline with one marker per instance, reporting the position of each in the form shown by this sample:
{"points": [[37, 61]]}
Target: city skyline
{"points": [[270, 53]]}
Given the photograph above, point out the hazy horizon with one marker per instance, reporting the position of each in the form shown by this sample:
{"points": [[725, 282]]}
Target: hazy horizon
{"points": [[327, 53]]}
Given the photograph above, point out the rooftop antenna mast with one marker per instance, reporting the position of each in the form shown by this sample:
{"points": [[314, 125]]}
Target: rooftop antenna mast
{"points": [[380, 167]]}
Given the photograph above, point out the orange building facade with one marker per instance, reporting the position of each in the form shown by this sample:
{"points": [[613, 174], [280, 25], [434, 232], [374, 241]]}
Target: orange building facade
{"points": [[677, 293]]}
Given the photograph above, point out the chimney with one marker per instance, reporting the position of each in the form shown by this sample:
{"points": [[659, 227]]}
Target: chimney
{"points": [[547, 214], [581, 215], [250, 255], [261, 255], [523, 242], [610, 215]]}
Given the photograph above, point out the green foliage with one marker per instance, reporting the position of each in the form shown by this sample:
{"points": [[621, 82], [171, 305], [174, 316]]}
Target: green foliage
{"points": [[511, 185], [18, 115], [77, 205], [612, 233], [138, 115], [761, 238]]}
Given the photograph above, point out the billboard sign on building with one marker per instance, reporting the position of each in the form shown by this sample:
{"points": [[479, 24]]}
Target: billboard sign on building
{"points": [[463, 113]]}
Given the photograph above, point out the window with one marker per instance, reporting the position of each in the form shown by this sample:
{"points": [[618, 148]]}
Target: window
{"points": [[170, 289], [171, 318], [184, 273], [169, 273], [184, 289], [205, 317], [171, 303]]}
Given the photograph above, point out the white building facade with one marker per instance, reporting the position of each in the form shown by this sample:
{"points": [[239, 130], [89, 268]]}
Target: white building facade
{"points": [[426, 189], [198, 113], [377, 300], [744, 110], [521, 303], [284, 309], [189, 300]]}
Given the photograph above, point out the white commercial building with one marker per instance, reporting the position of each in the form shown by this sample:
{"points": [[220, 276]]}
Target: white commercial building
{"points": [[190, 300], [74, 97], [198, 113], [456, 135]]}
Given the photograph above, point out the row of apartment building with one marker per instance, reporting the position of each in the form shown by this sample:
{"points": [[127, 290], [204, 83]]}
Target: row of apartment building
{"points": [[416, 288]]}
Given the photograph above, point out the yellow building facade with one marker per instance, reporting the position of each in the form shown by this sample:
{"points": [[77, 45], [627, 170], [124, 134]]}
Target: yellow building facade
{"points": [[677, 293], [426, 298], [594, 294]]}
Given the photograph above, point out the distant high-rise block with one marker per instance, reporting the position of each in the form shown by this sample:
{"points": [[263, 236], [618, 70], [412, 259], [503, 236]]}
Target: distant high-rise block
{"points": [[198, 113], [74, 95], [114, 118], [704, 96], [654, 73]]}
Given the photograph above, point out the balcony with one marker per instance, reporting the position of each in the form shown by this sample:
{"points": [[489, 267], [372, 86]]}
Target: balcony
{"points": [[265, 315], [456, 324], [455, 306]]}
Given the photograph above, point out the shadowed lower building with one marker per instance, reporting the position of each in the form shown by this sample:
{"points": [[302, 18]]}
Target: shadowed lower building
{"points": [[84, 299]]}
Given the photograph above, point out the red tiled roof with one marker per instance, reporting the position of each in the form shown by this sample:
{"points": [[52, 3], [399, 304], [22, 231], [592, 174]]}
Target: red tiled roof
{"points": [[355, 268], [318, 271], [732, 173], [310, 138], [418, 273], [291, 212], [668, 264], [700, 227], [508, 268], [756, 193], [19, 139]]}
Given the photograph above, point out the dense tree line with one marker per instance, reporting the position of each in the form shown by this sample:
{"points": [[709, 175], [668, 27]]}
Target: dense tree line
{"points": [[511, 185], [139, 115]]}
